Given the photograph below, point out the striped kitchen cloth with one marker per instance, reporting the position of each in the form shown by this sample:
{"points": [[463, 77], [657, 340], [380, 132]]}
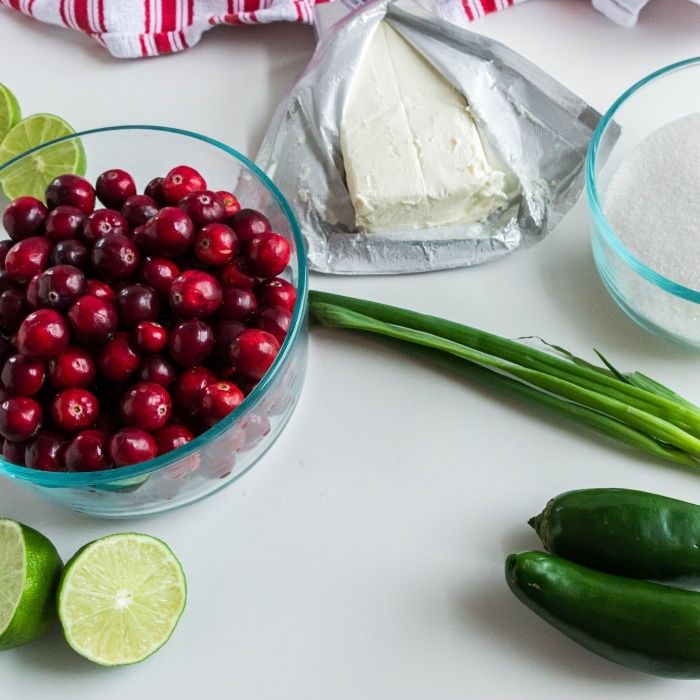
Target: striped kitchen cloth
{"points": [[134, 28]]}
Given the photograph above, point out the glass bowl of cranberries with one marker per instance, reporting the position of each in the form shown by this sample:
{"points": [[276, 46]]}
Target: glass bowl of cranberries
{"points": [[152, 321]]}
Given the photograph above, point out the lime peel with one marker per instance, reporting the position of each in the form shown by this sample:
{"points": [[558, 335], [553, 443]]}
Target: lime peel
{"points": [[10, 112], [30, 569]]}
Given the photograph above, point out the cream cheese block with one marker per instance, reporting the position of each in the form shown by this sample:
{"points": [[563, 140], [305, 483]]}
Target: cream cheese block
{"points": [[412, 154]]}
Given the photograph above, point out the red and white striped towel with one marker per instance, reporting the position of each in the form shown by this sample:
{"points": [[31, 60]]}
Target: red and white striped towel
{"points": [[134, 28]]}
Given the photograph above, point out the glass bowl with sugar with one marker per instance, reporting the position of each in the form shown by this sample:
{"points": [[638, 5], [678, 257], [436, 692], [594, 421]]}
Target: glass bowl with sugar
{"points": [[643, 191]]}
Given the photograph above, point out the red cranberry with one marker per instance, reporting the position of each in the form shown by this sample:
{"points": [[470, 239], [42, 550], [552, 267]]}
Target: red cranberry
{"points": [[136, 303], [256, 427], [147, 405], [31, 299], [159, 274], [73, 190], [225, 332], [192, 262], [43, 334], [189, 385], [64, 223], [87, 451], [181, 181], [154, 189], [195, 294], [75, 409], [100, 289], [231, 204], [70, 252], [32, 292], [275, 320], [150, 337], [4, 249], [191, 342], [60, 286], [155, 368], [24, 217], [20, 418], [46, 451], [276, 292], [245, 384], [109, 422], [104, 222], [115, 257], [223, 369], [215, 244], [267, 254], [28, 257], [6, 349], [169, 233], [92, 320], [217, 400], [248, 223], [130, 446], [171, 437], [252, 352], [13, 452], [203, 207], [116, 359], [22, 375], [74, 367], [237, 304], [232, 276], [7, 281], [138, 209], [13, 309], [114, 187]]}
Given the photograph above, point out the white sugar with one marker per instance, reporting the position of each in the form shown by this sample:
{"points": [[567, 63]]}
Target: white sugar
{"points": [[653, 201]]}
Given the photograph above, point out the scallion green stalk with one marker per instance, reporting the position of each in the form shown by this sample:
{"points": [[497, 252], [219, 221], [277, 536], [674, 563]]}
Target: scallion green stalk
{"points": [[585, 375], [650, 419]]}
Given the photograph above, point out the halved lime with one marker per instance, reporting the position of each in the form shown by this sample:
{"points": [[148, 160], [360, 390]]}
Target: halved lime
{"points": [[120, 598], [30, 569], [31, 175], [10, 112]]}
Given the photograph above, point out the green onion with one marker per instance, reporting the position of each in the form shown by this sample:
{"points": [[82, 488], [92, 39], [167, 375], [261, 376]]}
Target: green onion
{"points": [[634, 409]]}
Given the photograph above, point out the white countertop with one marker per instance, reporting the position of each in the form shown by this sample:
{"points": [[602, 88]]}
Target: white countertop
{"points": [[363, 556]]}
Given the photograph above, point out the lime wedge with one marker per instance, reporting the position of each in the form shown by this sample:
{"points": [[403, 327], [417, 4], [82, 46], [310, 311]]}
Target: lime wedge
{"points": [[120, 598], [30, 569], [31, 175], [10, 112]]}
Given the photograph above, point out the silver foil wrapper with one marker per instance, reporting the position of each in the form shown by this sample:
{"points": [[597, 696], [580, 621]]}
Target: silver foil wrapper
{"points": [[531, 126]]}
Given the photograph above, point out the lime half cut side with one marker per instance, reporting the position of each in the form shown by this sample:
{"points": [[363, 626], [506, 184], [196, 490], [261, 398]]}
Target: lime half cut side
{"points": [[10, 112], [30, 569], [31, 174], [120, 598]]}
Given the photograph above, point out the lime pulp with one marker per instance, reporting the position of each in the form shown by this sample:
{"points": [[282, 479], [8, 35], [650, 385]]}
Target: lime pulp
{"points": [[120, 598], [30, 175]]}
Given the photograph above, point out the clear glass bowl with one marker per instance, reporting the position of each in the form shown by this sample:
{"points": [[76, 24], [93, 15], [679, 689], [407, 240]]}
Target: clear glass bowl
{"points": [[222, 454], [655, 302]]}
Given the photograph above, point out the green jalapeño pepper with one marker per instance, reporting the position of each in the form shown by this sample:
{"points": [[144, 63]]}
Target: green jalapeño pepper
{"points": [[646, 626], [624, 532]]}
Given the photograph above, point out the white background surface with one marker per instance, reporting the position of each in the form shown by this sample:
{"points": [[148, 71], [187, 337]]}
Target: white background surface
{"points": [[362, 558]]}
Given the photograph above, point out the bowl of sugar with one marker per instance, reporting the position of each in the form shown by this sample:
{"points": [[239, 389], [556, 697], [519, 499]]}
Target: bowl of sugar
{"points": [[643, 191]]}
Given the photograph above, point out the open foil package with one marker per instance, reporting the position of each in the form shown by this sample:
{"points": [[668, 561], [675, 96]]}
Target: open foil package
{"points": [[409, 144]]}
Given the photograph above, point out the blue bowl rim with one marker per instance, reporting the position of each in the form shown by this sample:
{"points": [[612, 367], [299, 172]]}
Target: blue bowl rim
{"points": [[111, 476], [594, 205]]}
